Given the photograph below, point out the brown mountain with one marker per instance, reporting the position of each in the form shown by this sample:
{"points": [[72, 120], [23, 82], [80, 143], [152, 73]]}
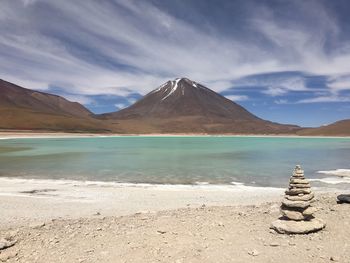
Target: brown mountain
{"points": [[339, 128], [178, 106], [25, 109], [184, 106]]}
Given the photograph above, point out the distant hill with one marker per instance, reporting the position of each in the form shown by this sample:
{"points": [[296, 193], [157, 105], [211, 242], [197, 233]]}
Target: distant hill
{"points": [[339, 128], [25, 109], [185, 106], [177, 106]]}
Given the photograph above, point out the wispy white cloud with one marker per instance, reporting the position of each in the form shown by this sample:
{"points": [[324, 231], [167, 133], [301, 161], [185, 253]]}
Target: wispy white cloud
{"points": [[131, 100], [237, 97], [275, 84], [339, 83], [119, 47], [28, 2], [281, 101], [275, 91], [120, 106], [85, 100], [301, 43], [331, 98]]}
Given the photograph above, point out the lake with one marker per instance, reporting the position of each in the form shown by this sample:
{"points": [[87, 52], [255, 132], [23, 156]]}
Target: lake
{"points": [[260, 161]]}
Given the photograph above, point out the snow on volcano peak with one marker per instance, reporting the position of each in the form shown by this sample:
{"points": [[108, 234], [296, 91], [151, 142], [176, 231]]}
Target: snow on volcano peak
{"points": [[160, 87], [174, 85]]}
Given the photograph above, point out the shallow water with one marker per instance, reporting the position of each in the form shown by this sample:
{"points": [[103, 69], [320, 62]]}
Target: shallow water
{"points": [[260, 161]]}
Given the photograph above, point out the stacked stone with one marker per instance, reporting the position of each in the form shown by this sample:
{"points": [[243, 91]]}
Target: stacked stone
{"points": [[298, 198], [297, 211]]}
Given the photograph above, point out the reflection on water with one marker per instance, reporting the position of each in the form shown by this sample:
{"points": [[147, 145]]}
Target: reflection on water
{"points": [[173, 160], [4, 149]]}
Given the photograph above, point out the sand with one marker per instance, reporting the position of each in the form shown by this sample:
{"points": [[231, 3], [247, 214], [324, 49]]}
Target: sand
{"points": [[85, 222]]}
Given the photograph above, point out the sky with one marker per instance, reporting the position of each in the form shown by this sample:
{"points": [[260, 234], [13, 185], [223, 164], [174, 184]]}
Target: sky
{"points": [[285, 61]]}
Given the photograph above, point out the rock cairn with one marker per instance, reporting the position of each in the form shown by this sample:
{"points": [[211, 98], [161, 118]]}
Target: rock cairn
{"points": [[297, 211]]}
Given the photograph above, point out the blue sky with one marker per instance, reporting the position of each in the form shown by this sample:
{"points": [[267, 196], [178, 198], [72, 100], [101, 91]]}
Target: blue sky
{"points": [[285, 61]]}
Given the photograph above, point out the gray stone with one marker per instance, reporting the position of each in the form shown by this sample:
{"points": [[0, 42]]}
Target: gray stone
{"points": [[309, 211], [295, 204], [297, 227], [37, 225], [299, 181], [298, 176], [274, 244], [334, 259], [306, 197], [293, 215], [296, 207], [300, 185], [254, 253], [343, 199], [4, 243], [8, 255], [298, 173], [298, 191]]}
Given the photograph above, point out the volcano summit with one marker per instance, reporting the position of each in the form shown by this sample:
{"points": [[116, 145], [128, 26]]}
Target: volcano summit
{"points": [[185, 106]]}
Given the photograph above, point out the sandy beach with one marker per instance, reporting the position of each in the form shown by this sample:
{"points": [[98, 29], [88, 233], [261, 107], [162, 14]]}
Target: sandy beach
{"points": [[70, 221]]}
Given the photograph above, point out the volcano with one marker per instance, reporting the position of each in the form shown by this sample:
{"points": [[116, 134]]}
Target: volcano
{"points": [[185, 106]]}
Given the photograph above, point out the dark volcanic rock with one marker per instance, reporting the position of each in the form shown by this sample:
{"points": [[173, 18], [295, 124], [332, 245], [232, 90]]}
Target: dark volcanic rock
{"points": [[343, 199]]}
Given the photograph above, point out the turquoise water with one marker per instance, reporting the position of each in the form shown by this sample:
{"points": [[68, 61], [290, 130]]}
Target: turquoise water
{"points": [[261, 161]]}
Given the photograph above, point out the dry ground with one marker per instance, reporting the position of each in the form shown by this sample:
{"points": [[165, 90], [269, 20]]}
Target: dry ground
{"points": [[204, 234]]}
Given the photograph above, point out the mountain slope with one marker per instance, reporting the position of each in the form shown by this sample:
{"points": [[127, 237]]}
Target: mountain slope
{"points": [[15, 96], [22, 108], [183, 97], [339, 128], [184, 106]]}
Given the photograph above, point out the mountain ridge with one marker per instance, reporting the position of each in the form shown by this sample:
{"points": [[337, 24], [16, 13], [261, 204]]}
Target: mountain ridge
{"points": [[338, 128], [179, 106], [183, 105], [14, 95], [25, 109], [165, 102]]}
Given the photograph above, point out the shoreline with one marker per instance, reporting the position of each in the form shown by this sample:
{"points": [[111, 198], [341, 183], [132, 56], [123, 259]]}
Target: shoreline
{"points": [[31, 200], [28, 201], [4, 135]]}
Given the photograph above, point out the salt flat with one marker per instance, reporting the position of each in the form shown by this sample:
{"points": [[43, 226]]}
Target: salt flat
{"points": [[29, 201]]}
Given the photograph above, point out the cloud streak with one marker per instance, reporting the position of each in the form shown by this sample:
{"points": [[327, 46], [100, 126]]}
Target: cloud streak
{"points": [[123, 47]]}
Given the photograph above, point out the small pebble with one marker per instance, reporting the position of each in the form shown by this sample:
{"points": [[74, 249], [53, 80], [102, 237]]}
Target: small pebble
{"points": [[253, 253], [274, 244], [334, 259]]}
